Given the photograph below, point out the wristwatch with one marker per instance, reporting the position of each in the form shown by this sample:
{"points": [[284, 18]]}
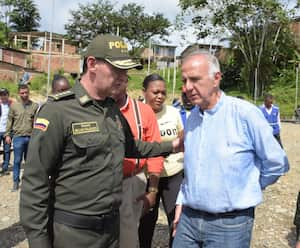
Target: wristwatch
{"points": [[152, 190]]}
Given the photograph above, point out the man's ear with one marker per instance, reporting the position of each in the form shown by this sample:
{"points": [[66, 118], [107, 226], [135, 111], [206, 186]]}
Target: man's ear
{"points": [[217, 78], [91, 63]]}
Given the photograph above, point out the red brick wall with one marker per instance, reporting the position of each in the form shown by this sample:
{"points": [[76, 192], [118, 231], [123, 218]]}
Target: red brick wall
{"points": [[57, 48], [14, 57], [70, 49], [68, 63]]}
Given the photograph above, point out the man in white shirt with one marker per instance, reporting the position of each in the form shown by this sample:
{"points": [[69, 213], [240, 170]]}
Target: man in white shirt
{"points": [[4, 108]]}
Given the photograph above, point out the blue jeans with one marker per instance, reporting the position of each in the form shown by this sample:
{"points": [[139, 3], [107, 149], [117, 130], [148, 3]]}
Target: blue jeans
{"points": [[20, 144], [6, 152], [199, 230]]}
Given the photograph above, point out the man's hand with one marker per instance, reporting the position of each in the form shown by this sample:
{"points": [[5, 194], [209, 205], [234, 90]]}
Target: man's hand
{"points": [[8, 139], [178, 211], [148, 201], [297, 244], [178, 143]]}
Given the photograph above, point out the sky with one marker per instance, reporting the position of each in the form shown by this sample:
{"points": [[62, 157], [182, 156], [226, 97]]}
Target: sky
{"points": [[62, 9]]}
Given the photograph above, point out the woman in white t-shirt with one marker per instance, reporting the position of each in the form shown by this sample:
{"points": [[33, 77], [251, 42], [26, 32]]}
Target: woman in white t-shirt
{"points": [[170, 125]]}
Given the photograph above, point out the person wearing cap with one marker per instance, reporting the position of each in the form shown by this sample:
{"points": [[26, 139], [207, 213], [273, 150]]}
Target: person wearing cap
{"points": [[135, 198], [5, 103], [20, 124], [79, 141]]}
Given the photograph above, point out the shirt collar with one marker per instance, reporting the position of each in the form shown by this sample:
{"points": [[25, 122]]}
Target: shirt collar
{"points": [[126, 105], [216, 107]]}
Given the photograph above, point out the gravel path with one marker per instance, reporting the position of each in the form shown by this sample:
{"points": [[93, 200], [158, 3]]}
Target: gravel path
{"points": [[273, 223]]}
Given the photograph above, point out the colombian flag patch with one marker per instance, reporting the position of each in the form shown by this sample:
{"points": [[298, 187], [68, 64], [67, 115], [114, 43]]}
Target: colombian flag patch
{"points": [[41, 124]]}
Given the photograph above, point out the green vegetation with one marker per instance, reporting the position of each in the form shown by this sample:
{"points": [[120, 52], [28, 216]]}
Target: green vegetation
{"points": [[101, 17], [283, 88], [259, 32]]}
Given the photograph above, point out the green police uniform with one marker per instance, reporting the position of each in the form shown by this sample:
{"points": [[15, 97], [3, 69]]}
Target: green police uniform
{"points": [[297, 217], [80, 144]]}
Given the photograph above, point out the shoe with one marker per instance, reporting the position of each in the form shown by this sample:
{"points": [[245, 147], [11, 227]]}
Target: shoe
{"points": [[4, 173], [15, 187]]}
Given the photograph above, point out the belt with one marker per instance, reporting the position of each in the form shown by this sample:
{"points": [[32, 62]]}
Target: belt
{"points": [[96, 223], [241, 212], [132, 173]]}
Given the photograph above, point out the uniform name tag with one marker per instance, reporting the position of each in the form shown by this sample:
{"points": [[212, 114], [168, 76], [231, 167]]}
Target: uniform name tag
{"points": [[85, 127]]}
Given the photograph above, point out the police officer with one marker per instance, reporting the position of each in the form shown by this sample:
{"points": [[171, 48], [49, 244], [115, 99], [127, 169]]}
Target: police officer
{"points": [[78, 144]]}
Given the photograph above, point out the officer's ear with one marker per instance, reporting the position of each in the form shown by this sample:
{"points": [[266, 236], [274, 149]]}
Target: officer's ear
{"points": [[91, 63]]}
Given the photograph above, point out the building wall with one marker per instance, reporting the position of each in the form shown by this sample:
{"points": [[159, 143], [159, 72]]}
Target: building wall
{"points": [[69, 63], [295, 29], [14, 57], [56, 47]]}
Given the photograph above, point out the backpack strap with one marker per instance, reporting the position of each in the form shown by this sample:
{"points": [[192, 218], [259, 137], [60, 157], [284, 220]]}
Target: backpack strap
{"points": [[138, 122]]}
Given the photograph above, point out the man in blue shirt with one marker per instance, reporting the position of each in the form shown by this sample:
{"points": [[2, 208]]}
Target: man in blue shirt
{"points": [[272, 115], [230, 157]]}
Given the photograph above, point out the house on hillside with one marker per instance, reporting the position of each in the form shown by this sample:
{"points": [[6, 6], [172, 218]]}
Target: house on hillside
{"points": [[64, 53], [162, 55], [295, 28]]}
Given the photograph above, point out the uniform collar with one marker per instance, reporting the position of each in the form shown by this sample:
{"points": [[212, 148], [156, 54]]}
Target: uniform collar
{"points": [[81, 94]]}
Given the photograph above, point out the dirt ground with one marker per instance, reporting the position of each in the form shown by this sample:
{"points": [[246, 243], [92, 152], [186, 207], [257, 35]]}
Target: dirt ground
{"points": [[273, 222]]}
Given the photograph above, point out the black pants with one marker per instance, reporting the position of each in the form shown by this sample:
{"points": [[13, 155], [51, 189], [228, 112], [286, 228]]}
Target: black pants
{"points": [[67, 236], [167, 191]]}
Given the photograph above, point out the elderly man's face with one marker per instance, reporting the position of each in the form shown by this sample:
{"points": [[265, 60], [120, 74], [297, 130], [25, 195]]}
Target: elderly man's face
{"points": [[198, 84]]}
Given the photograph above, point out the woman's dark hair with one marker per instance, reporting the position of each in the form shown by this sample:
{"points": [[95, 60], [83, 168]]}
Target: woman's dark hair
{"points": [[150, 78]]}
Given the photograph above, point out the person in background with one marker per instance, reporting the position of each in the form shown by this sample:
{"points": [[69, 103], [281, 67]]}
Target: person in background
{"points": [[20, 123], [185, 108], [79, 141], [25, 78], [297, 113], [5, 103], [170, 126], [230, 157], [272, 115], [59, 84], [135, 196]]}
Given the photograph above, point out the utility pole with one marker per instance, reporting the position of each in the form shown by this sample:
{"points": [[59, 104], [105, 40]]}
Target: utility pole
{"points": [[149, 57], [50, 48]]}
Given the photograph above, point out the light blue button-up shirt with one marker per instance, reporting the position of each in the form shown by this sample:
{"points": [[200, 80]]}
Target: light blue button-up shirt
{"points": [[230, 156]]}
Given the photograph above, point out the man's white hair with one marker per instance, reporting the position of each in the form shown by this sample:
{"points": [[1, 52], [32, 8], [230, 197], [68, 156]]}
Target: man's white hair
{"points": [[213, 62]]}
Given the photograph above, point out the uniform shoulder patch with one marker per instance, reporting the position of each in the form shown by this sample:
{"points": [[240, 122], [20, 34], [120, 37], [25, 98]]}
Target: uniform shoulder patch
{"points": [[41, 124], [62, 95]]}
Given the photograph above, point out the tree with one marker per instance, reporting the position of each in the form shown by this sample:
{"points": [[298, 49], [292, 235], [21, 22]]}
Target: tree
{"points": [[90, 20], [24, 16], [101, 18], [257, 28], [6, 8], [139, 27]]}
